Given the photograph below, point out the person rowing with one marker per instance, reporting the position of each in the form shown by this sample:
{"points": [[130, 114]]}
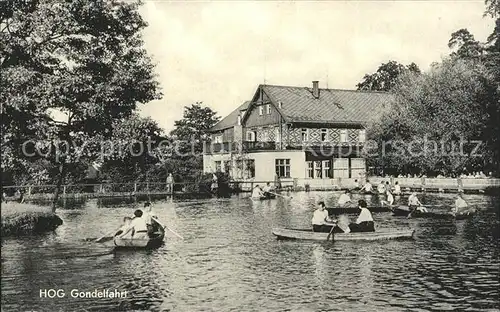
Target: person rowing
{"points": [[389, 201], [138, 227], [344, 199], [381, 187], [461, 206], [368, 188], [267, 190], [257, 192], [321, 221], [364, 222], [397, 188], [415, 204]]}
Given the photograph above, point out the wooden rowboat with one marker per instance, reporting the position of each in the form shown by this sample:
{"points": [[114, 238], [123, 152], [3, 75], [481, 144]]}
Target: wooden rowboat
{"points": [[308, 234], [154, 241], [405, 211]]}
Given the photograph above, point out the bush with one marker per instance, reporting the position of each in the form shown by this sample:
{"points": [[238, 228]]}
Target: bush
{"points": [[26, 219]]}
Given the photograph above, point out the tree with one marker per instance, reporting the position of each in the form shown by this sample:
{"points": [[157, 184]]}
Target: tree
{"points": [[83, 59], [435, 119], [386, 76], [193, 127], [464, 45]]}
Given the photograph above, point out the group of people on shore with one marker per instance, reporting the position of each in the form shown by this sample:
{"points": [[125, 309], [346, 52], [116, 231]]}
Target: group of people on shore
{"points": [[141, 226]]}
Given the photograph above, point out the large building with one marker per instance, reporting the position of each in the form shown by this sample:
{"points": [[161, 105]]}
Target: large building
{"points": [[309, 135]]}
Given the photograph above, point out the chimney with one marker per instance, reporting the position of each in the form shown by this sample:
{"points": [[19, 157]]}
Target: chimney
{"points": [[315, 90]]}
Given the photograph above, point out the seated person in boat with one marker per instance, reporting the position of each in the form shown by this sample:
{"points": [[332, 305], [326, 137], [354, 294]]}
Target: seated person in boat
{"points": [[415, 204], [461, 206], [364, 223], [344, 199], [125, 226], [138, 227], [257, 192], [321, 222], [148, 215], [381, 187], [367, 187], [267, 189], [357, 185], [389, 201], [397, 188]]}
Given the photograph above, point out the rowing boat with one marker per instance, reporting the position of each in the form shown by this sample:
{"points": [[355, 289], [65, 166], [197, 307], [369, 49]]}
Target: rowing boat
{"points": [[405, 212], [308, 234], [345, 210], [265, 197], [155, 240]]}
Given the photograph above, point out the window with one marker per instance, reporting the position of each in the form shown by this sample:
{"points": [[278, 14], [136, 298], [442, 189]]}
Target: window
{"points": [[317, 169], [250, 168], [304, 135], [280, 105], [343, 135], [283, 168], [261, 110], [251, 136], [324, 135], [362, 135], [326, 169], [239, 120], [227, 167], [268, 109], [310, 169], [218, 139], [218, 166]]}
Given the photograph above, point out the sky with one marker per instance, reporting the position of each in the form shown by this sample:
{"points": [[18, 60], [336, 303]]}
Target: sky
{"points": [[218, 52]]}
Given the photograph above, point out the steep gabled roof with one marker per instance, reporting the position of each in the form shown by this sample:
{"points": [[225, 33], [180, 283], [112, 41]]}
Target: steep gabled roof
{"points": [[230, 120], [333, 105]]}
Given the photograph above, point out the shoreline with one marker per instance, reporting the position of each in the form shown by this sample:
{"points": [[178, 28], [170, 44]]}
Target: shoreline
{"points": [[26, 219]]}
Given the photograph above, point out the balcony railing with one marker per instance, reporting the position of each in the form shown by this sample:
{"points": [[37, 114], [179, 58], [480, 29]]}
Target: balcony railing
{"points": [[258, 146]]}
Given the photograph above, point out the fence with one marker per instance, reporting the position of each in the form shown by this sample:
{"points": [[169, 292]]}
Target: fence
{"points": [[130, 189]]}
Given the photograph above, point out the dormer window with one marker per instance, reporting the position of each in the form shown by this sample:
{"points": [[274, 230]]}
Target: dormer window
{"points": [[280, 105], [304, 135], [261, 110], [268, 109], [239, 120]]}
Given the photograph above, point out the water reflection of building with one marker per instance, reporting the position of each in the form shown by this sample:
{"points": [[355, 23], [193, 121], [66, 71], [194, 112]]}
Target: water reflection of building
{"points": [[311, 134]]}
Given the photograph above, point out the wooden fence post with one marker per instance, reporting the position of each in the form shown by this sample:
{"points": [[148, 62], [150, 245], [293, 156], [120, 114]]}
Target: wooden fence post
{"points": [[64, 190]]}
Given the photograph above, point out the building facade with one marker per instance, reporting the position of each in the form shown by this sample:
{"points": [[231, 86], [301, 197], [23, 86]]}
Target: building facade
{"points": [[309, 135]]}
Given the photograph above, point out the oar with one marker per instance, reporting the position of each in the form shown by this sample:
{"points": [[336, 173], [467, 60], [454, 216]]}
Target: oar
{"points": [[288, 197], [166, 227], [106, 237], [331, 234]]}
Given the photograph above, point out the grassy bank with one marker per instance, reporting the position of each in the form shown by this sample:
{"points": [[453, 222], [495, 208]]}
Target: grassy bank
{"points": [[26, 219]]}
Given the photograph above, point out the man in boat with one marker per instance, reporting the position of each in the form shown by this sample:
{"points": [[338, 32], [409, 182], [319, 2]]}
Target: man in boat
{"points": [[364, 223], [138, 226], [368, 188], [148, 215], [460, 205], [257, 192], [357, 185], [415, 204], [389, 201], [321, 221], [381, 187], [397, 188], [267, 190], [344, 199]]}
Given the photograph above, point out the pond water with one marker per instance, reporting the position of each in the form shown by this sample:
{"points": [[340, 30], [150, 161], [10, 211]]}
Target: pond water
{"points": [[230, 261]]}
